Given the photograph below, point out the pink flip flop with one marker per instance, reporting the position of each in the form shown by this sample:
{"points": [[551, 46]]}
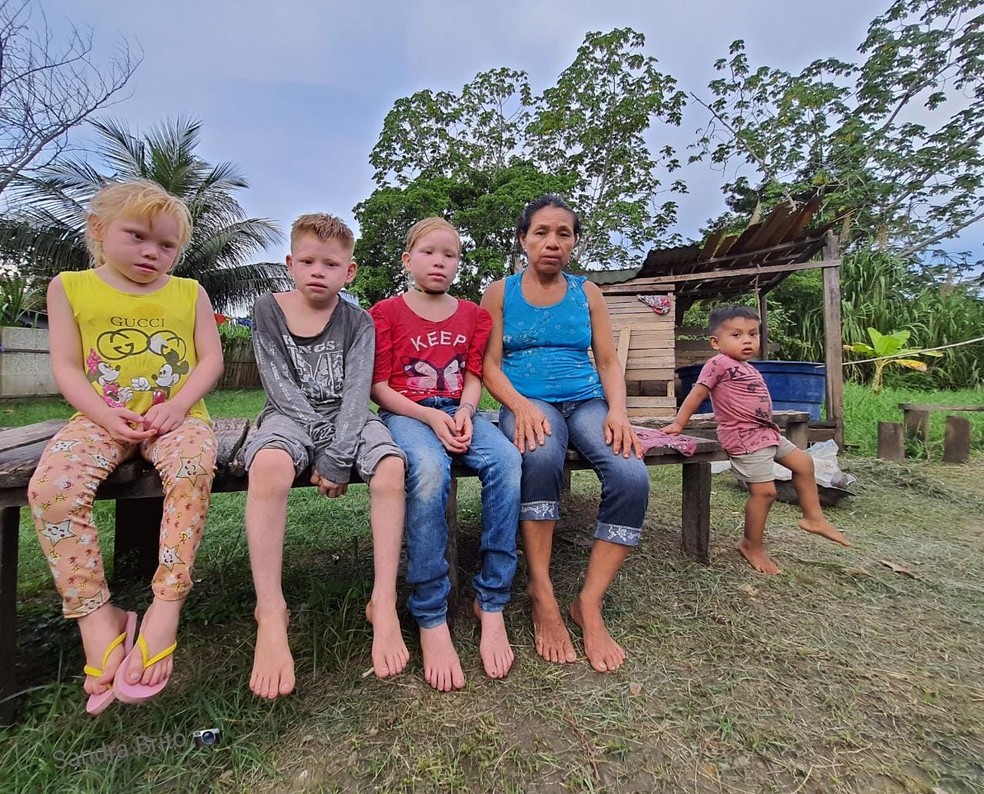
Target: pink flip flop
{"points": [[98, 703], [138, 693]]}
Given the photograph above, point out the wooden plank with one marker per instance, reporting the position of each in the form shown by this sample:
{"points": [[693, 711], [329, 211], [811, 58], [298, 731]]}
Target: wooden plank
{"points": [[916, 424], [802, 221], [710, 245], [833, 336], [891, 444], [9, 531], [956, 440], [624, 337], [639, 284], [13, 437], [741, 244], [938, 407]]}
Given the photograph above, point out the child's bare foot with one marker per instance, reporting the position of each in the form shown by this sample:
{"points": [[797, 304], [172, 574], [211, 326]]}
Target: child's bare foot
{"points": [[98, 630], [497, 655], [553, 641], [273, 665], [604, 654], [389, 651], [442, 668], [159, 629], [757, 557], [823, 527]]}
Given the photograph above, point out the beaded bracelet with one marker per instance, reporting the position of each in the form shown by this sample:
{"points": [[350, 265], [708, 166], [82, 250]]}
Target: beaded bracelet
{"points": [[471, 408]]}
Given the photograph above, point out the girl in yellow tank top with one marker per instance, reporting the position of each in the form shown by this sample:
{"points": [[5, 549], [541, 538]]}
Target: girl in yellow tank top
{"points": [[134, 350]]}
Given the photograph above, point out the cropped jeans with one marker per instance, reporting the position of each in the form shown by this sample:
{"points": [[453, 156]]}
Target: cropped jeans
{"points": [[624, 481], [428, 482]]}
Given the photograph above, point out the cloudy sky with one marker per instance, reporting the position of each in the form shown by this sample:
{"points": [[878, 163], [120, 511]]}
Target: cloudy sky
{"points": [[295, 91]]}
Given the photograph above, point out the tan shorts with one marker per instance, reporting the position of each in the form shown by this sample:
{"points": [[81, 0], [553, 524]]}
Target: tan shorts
{"points": [[757, 466]]}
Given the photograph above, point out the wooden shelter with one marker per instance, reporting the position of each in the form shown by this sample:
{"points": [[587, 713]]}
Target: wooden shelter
{"points": [[723, 266]]}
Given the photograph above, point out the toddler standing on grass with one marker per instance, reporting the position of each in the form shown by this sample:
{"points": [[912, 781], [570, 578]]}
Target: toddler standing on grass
{"points": [[743, 410]]}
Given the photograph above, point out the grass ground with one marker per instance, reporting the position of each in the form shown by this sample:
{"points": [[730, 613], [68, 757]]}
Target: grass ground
{"points": [[844, 674]]}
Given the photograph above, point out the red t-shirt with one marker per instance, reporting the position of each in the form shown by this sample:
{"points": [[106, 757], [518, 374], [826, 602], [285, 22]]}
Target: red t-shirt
{"points": [[742, 405], [420, 358]]}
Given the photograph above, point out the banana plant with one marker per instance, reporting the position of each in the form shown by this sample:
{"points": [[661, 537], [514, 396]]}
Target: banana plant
{"points": [[888, 349]]}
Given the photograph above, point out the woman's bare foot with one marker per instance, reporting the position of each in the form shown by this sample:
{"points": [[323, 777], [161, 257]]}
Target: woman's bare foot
{"points": [[273, 665], [98, 630], [159, 629], [497, 655], [389, 651], [824, 528], [604, 654], [757, 557], [553, 641], [442, 668]]}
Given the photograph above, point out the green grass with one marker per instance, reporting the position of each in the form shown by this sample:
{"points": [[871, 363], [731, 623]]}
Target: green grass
{"points": [[841, 675]]}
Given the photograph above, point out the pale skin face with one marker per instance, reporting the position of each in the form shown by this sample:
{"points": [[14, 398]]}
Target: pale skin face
{"points": [[738, 338], [433, 261], [137, 252], [550, 239], [320, 268]]}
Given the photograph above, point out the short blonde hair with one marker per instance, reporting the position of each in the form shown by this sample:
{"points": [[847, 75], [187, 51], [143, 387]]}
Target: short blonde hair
{"points": [[323, 226], [138, 198], [426, 226]]}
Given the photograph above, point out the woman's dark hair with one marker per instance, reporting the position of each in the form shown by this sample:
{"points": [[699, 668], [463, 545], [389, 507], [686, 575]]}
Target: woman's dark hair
{"points": [[546, 200], [723, 314]]}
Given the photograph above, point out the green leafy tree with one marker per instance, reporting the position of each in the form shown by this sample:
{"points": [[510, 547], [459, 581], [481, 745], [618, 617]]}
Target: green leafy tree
{"points": [[45, 231], [478, 156], [894, 142], [886, 349]]}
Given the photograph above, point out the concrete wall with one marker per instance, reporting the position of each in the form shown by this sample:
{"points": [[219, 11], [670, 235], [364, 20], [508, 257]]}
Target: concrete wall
{"points": [[25, 365]]}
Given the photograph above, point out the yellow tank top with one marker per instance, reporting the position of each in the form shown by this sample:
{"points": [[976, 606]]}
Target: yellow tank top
{"points": [[137, 350]]}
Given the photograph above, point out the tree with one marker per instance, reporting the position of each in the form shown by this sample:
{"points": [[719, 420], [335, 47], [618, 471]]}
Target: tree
{"points": [[478, 156], [893, 142], [483, 205], [46, 89], [46, 230]]}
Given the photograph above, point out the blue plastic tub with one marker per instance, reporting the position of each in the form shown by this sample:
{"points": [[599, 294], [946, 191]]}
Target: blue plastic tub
{"points": [[794, 385]]}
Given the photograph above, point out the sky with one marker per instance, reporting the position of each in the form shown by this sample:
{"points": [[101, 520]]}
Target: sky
{"points": [[295, 91]]}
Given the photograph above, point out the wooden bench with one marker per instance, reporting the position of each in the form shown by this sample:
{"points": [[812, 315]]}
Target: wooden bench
{"points": [[956, 440], [136, 488]]}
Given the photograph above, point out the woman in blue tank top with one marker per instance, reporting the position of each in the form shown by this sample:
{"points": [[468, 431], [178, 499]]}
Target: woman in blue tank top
{"points": [[544, 320]]}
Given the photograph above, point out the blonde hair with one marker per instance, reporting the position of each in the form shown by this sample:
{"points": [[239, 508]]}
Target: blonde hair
{"points": [[138, 198], [323, 226], [426, 226]]}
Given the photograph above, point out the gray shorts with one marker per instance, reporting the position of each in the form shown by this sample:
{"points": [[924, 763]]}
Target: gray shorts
{"points": [[757, 466], [277, 431]]}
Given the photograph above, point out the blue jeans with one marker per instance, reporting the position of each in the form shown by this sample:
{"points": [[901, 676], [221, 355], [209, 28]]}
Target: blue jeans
{"points": [[498, 465], [624, 481]]}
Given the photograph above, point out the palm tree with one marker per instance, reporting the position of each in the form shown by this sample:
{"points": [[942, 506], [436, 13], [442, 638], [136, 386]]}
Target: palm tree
{"points": [[44, 233]]}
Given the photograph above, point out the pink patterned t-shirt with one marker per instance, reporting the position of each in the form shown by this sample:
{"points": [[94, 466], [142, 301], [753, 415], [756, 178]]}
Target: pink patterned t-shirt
{"points": [[742, 405]]}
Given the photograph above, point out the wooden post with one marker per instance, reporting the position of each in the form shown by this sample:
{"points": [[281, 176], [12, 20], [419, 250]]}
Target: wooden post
{"points": [[696, 511], [833, 333], [451, 552], [136, 546], [917, 425], [764, 330], [891, 444], [956, 441], [9, 528]]}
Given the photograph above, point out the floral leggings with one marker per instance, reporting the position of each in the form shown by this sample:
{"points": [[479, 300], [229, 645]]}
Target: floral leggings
{"points": [[63, 488]]}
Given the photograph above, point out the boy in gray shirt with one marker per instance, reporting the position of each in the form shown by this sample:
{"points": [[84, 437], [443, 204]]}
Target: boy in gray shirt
{"points": [[314, 352]]}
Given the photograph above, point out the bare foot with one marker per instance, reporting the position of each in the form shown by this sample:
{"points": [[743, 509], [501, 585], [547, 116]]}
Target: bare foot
{"points": [[497, 655], [824, 528], [757, 558], [98, 630], [389, 651], [553, 641], [442, 668], [273, 666], [604, 654], [159, 629]]}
